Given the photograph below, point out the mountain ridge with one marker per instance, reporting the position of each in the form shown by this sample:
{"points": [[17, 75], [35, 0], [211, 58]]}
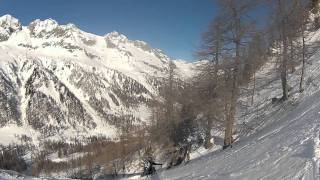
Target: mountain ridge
{"points": [[59, 82]]}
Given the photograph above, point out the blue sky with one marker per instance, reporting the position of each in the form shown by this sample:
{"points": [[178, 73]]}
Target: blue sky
{"points": [[174, 26]]}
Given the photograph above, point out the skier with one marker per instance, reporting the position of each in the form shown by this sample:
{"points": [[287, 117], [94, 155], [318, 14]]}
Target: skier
{"points": [[149, 168]]}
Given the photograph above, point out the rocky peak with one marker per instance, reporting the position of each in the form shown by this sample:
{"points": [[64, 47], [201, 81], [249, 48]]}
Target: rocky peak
{"points": [[115, 38], [8, 25], [115, 35], [51, 28], [40, 28]]}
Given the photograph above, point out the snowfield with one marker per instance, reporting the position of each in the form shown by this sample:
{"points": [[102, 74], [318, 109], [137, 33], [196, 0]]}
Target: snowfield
{"points": [[285, 149]]}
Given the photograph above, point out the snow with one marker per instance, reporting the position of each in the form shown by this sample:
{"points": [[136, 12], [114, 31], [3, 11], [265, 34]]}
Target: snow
{"points": [[12, 175], [202, 152], [44, 26], [282, 150], [283, 142], [143, 112], [133, 58], [187, 70], [55, 158], [46, 43], [7, 21], [317, 147], [10, 133], [116, 37]]}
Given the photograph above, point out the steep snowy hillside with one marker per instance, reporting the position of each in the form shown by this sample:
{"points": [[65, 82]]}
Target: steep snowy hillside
{"points": [[285, 149], [57, 81], [278, 141]]}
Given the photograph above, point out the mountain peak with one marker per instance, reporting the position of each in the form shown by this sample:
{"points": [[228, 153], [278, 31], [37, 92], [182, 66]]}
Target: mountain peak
{"points": [[46, 28], [114, 35], [42, 26], [71, 26], [69, 37], [8, 25], [9, 22]]}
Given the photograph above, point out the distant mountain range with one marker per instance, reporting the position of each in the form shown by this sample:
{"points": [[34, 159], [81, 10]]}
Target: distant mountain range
{"points": [[59, 82]]}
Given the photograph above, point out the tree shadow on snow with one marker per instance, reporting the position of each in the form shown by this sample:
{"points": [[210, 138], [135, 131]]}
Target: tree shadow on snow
{"points": [[307, 151], [218, 140], [155, 177]]}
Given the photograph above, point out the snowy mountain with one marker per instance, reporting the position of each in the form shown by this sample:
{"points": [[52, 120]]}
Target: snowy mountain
{"points": [[59, 82]]}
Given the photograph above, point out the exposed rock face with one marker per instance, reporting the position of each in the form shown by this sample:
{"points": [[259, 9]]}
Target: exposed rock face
{"points": [[8, 101]]}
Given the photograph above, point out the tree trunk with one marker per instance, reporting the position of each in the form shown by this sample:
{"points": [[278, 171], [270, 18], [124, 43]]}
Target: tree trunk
{"points": [[254, 87], [228, 140], [207, 142], [303, 62], [207, 139], [284, 73], [284, 62], [292, 56]]}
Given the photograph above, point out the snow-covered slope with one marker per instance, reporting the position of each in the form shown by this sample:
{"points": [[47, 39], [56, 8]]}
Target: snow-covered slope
{"points": [[12, 175], [283, 150], [278, 141], [57, 81]]}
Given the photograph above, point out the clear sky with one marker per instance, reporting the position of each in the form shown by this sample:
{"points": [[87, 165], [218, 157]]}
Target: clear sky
{"points": [[174, 26]]}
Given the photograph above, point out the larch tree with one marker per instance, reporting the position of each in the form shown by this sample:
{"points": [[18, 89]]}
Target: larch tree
{"points": [[290, 21], [235, 14], [282, 25], [255, 56], [302, 20], [208, 81]]}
